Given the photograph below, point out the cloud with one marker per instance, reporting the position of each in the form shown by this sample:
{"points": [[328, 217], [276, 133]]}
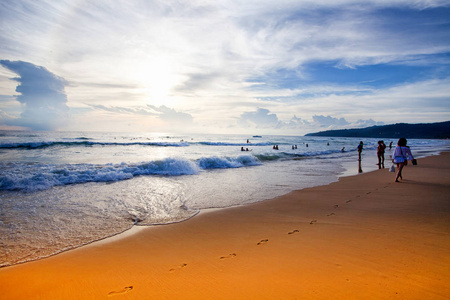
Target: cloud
{"points": [[171, 115], [218, 59], [124, 110], [163, 112], [321, 122], [42, 97], [366, 123], [328, 121], [261, 118], [296, 122]]}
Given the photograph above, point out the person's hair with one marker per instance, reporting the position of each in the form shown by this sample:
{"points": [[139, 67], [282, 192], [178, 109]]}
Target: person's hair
{"points": [[402, 142]]}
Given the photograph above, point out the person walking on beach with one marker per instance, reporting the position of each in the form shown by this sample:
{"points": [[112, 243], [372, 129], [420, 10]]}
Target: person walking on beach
{"points": [[400, 157], [380, 153]]}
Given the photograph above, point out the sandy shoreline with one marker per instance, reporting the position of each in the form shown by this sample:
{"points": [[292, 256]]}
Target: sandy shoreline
{"points": [[364, 237]]}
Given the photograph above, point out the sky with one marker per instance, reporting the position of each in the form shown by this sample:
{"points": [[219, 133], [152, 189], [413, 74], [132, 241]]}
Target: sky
{"points": [[286, 67]]}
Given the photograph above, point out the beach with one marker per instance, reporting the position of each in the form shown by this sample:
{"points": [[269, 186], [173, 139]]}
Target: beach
{"points": [[363, 237]]}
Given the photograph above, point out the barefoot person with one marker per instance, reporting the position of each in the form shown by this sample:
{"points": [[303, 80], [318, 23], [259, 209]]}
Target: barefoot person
{"points": [[400, 157], [360, 149], [380, 153]]}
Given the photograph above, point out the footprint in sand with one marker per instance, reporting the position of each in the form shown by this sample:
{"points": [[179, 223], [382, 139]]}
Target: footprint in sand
{"points": [[262, 242], [122, 291], [348, 201], [368, 193], [229, 256], [177, 268], [293, 231], [332, 214], [313, 221], [336, 206]]}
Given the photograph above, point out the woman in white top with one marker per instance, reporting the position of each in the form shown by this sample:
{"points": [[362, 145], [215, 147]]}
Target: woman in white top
{"points": [[400, 156]]}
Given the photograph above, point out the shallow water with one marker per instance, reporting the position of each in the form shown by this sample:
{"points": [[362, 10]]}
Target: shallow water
{"points": [[62, 190]]}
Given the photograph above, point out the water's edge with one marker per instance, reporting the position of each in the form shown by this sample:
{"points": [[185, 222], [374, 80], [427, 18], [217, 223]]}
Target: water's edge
{"points": [[136, 228]]}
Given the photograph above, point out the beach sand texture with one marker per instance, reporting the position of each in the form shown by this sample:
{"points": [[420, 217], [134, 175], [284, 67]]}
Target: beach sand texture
{"points": [[364, 237]]}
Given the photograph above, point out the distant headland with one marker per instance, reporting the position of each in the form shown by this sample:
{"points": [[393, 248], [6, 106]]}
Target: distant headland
{"points": [[413, 131]]}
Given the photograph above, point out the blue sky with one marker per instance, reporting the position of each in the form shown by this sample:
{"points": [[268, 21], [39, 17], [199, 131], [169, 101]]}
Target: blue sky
{"points": [[224, 66]]}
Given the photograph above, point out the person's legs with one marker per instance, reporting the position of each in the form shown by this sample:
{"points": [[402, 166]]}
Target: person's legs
{"points": [[399, 173]]}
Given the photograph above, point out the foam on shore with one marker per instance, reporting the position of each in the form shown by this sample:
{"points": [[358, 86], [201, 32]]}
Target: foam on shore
{"points": [[364, 237]]}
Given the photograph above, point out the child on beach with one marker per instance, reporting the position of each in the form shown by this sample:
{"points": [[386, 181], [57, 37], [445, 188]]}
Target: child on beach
{"points": [[400, 157]]}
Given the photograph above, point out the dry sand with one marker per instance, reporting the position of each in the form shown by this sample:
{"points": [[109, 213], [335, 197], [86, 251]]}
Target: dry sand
{"points": [[364, 237]]}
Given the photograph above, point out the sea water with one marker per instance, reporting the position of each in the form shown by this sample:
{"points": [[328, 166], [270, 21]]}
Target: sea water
{"points": [[61, 190]]}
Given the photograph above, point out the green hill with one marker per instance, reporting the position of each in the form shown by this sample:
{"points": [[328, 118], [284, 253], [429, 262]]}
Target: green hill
{"points": [[413, 131]]}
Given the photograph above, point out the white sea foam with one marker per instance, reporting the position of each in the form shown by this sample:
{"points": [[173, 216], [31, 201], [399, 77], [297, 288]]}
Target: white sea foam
{"points": [[35, 177], [41, 144], [61, 190]]}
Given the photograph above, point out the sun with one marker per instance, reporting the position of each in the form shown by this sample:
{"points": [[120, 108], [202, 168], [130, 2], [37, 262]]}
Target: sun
{"points": [[157, 79]]}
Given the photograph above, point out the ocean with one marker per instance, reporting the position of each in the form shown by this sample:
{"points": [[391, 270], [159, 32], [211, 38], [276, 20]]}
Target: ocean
{"points": [[62, 190]]}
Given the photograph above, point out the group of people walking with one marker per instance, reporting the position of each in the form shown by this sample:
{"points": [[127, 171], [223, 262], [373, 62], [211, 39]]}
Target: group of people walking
{"points": [[400, 156]]}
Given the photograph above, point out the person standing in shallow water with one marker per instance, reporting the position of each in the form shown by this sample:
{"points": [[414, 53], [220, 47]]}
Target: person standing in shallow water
{"points": [[360, 149], [401, 155], [380, 153]]}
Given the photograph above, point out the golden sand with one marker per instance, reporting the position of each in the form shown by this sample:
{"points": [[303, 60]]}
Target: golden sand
{"points": [[364, 237]]}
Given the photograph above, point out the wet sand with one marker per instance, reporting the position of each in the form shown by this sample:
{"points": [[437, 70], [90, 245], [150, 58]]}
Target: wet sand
{"points": [[364, 237]]}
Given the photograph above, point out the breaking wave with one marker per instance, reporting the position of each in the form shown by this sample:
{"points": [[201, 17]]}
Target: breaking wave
{"points": [[87, 143], [34, 177]]}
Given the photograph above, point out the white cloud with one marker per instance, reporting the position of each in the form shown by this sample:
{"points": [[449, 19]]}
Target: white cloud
{"points": [[328, 121], [262, 118], [171, 115], [214, 61], [146, 118]]}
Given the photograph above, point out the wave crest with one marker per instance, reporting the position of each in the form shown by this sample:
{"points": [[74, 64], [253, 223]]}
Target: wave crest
{"points": [[226, 162], [36, 177], [85, 142]]}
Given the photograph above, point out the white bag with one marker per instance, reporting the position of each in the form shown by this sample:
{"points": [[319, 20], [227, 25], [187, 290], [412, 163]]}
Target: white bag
{"points": [[392, 169]]}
